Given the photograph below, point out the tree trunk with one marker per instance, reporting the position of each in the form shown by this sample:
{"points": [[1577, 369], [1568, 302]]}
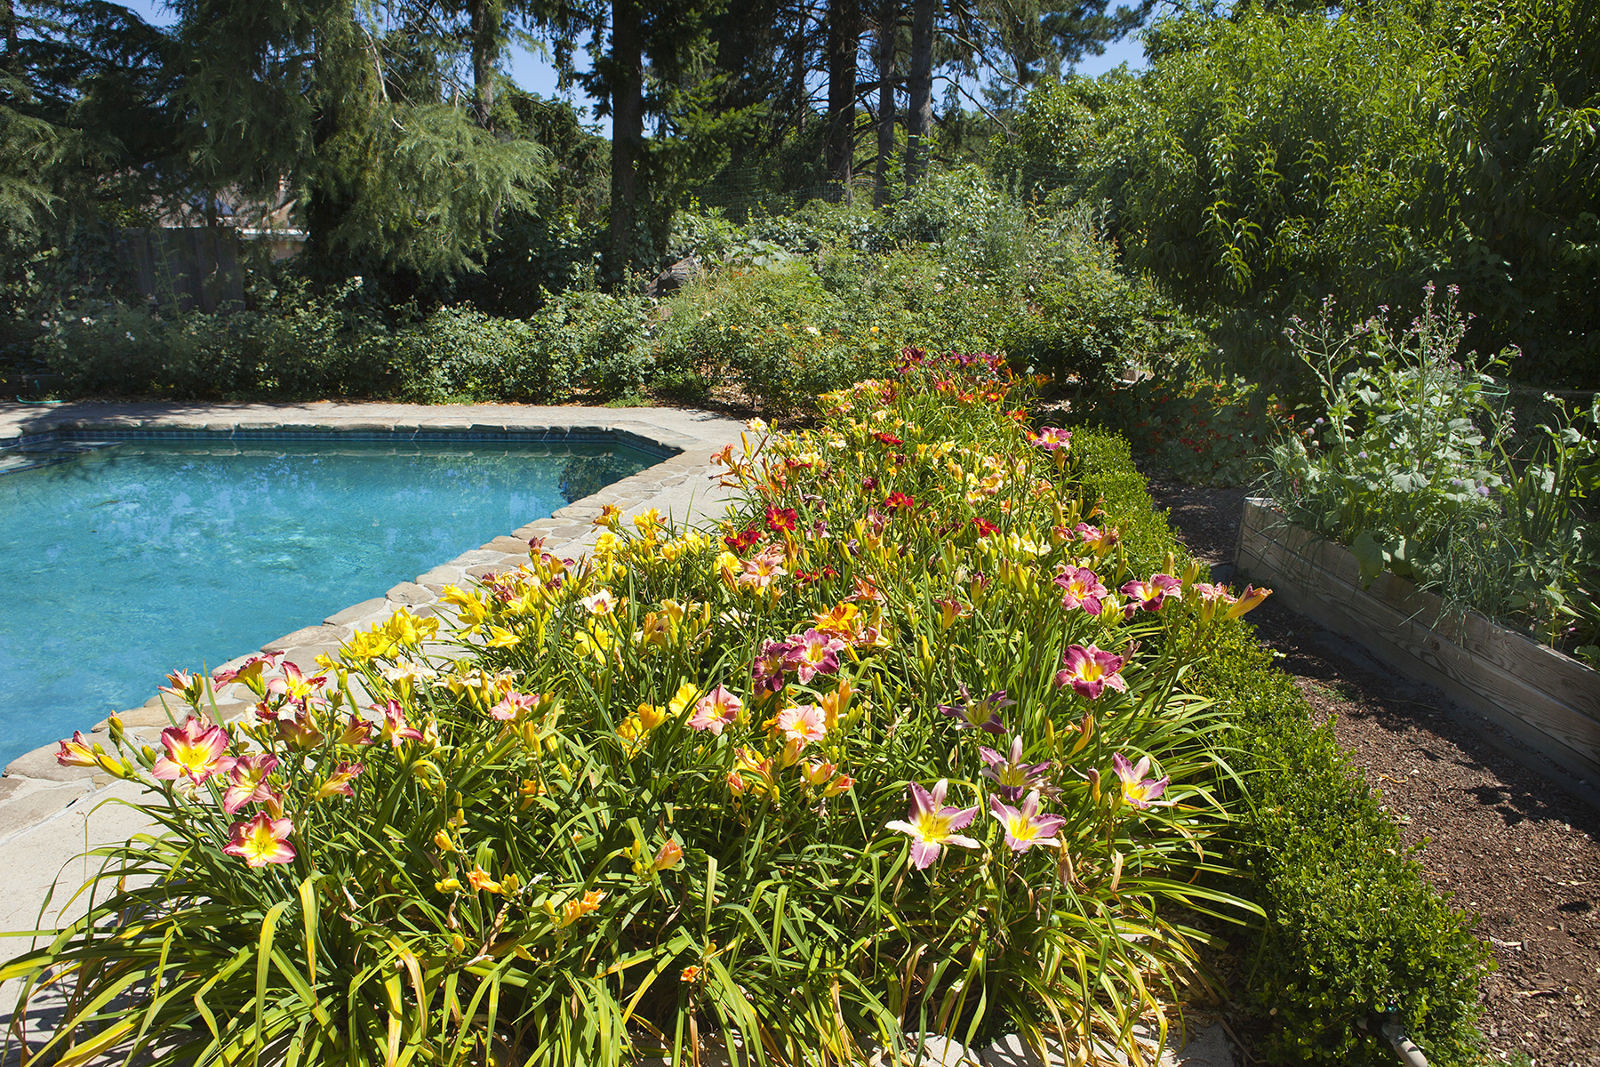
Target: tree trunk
{"points": [[919, 86], [483, 26], [844, 39], [629, 182], [888, 22], [12, 63]]}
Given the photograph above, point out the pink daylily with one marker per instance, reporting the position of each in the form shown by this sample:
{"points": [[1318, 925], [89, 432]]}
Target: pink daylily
{"points": [[249, 672], [394, 728], [1150, 595], [715, 711], [1089, 670], [932, 826], [77, 752], [184, 685], [1097, 540], [801, 724], [1051, 438], [1137, 790], [295, 686], [248, 782], [262, 840], [1025, 827], [1011, 776], [195, 751], [1082, 589], [511, 705], [762, 569], [813, 653]]}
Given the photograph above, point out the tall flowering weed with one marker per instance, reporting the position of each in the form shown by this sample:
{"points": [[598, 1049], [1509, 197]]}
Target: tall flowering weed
{"points": [[899, 746]]}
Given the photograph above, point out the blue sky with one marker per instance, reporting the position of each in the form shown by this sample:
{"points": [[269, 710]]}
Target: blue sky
{"points": [[534, 74]]}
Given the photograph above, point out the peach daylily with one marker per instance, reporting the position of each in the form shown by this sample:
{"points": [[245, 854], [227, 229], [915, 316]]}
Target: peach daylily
{"points": [[261, 841]]}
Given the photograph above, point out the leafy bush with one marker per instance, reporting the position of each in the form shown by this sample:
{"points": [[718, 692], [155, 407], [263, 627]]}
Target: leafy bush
{"points": [[1273, 156], [660, 796], [294, 346], [1353, 933], [1414, 469], [1204, 430], [586, 342]]}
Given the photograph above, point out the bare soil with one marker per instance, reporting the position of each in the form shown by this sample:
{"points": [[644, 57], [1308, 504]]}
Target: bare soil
{"points": [[1499, 833]]}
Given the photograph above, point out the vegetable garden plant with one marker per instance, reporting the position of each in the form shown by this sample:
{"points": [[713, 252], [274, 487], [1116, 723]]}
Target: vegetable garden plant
{"points": [[902, 746]]}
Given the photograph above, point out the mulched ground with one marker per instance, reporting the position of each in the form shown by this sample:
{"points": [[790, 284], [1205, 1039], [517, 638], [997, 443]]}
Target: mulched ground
{"points": [[1513, 848]]}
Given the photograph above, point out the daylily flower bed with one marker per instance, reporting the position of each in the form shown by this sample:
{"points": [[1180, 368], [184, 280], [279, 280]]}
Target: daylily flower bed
{"points": [[904, 746]]}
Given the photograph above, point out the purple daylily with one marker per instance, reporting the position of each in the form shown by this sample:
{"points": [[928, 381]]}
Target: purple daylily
{"points": [[770, 664], [1137, 790], [981, 714], [1011, 776], [1025, 827], [1082, 589]]}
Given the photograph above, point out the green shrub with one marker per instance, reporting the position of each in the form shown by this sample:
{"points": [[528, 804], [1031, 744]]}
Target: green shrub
{"points": [[457, 353], [1274, 156], [1353, 931]]}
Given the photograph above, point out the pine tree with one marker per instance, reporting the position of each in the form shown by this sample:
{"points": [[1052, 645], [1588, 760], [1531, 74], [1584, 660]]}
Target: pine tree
{"points": [[390, 173]]}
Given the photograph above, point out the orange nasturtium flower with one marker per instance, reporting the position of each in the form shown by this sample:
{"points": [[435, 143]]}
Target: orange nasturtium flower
{"points": [[261, 840]]}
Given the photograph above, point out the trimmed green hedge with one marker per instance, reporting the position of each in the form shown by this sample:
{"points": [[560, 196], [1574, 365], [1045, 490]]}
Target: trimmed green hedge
{"points": [[1353, 931]]}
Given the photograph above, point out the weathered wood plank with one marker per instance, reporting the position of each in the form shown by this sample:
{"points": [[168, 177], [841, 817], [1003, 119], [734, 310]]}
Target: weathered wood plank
{"points": [[1548, 700]]}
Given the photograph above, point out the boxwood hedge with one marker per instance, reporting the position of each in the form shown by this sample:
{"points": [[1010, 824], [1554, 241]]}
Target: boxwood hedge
{"points": [[1354, 934]]}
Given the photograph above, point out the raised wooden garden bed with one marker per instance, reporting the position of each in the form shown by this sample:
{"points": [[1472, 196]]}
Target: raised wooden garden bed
{"points": [[1548, 700]]}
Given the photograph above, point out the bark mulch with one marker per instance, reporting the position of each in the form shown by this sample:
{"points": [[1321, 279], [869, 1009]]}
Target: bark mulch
{"points": [[1498, 831]]}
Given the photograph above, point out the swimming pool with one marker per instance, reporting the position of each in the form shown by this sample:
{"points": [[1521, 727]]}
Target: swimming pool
{"points": [[126, 558]]}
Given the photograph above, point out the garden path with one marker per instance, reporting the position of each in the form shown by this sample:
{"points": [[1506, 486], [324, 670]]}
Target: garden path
{"points": [[1497, 832]]}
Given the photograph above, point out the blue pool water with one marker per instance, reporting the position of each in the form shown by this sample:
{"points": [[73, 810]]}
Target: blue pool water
{"points": [[124, 562]]}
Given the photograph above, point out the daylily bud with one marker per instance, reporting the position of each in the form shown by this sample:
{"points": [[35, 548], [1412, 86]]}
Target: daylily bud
{"points": [[670, 856]]}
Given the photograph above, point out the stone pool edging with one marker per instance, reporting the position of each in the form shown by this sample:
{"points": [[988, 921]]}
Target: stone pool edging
{"points": [[36, 789]]}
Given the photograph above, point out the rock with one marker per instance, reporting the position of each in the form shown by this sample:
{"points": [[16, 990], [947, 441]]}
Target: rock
{"points": [[675, 277], [310, 635], [356, 613], [1208, 1048], [410, 593], [29, 807]]}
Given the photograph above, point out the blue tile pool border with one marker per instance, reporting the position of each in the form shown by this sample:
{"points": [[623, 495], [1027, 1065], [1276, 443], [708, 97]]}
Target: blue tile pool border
{"points": [[40, 444]]}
